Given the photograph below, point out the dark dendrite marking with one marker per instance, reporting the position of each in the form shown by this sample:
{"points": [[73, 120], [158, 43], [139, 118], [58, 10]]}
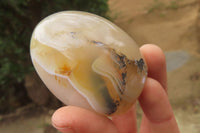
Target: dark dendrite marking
{"points": [[140, 64], [73, 34], [121, 61], [111, 103], [98, 43], [113, 107], [117, 102], [123, 78]]}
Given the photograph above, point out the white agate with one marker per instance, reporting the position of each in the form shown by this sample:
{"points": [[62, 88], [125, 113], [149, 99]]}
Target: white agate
{"points": [[87, 61]]}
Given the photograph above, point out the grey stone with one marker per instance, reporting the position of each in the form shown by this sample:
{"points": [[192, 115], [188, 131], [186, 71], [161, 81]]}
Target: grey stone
{"points": [[176, 59]]}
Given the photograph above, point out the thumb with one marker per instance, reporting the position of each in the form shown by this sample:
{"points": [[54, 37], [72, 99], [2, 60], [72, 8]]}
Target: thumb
{"points": [[70, 119]]}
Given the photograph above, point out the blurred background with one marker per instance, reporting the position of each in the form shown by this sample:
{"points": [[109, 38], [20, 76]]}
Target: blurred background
{"points": [[26, 105]]}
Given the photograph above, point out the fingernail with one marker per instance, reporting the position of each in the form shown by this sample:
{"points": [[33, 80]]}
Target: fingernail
{"points": [[66, 130]]}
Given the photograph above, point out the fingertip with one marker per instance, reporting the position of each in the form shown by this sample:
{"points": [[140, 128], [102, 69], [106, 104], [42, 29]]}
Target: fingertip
{"points": [[151, 89], [154, 102], [156, 62], [60, 122], [154, 55], [151, 47], [58, 118], [71, 118], [126, 123]]}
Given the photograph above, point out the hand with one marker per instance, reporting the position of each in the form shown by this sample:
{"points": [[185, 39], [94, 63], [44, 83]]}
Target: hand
{"points": [[158, 116]]}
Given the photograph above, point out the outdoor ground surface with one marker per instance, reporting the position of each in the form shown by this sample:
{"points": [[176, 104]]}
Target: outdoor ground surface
{"points": [[170, 25]]}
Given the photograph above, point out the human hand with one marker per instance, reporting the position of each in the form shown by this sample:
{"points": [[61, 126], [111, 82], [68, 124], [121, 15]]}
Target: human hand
{"points": [[158, 116]]}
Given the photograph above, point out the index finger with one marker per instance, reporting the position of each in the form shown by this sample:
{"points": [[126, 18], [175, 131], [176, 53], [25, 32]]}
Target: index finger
{"points": [[157, 109], [156, 63]]}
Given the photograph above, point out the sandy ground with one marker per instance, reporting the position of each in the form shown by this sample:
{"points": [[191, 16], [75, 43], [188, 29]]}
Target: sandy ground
{"points": [[168, 24]]}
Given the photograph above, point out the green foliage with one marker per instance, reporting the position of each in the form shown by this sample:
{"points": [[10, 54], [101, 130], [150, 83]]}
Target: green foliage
{"points": [[155, 6], [18, 19], [173, 4], [160, 5]]}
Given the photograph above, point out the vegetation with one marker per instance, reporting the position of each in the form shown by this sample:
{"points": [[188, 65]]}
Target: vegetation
{"points": [[18, 19], [160, 5]]}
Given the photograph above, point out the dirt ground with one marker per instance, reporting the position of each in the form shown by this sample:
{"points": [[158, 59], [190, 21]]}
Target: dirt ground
{"points": [[172, 26], [168, 24]]}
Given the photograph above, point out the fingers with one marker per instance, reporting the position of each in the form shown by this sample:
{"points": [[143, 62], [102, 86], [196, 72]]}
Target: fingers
{"points": [[157, 109], [155, 102], [71, 119], [126, 123], [155, 60], [156, 63]]}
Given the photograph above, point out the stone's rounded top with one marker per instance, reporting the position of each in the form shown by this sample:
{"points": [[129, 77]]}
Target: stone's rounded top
{"points": [[67, 26], [87, 61]]}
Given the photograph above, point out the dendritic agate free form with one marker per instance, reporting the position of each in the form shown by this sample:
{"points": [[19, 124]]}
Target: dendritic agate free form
{"points": [[87, 61]]}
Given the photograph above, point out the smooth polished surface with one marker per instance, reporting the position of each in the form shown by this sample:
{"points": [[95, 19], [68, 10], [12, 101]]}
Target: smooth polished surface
{"points": [[87, 61]]}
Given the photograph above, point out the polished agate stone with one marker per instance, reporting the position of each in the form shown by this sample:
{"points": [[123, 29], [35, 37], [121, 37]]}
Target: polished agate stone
{"points": [[87, 61]]}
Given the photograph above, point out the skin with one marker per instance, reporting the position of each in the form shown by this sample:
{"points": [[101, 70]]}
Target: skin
{"points": [[157, 117]]}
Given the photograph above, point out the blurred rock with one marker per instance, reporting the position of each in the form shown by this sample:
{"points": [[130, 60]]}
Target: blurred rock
{"points": [[176, 59]]}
